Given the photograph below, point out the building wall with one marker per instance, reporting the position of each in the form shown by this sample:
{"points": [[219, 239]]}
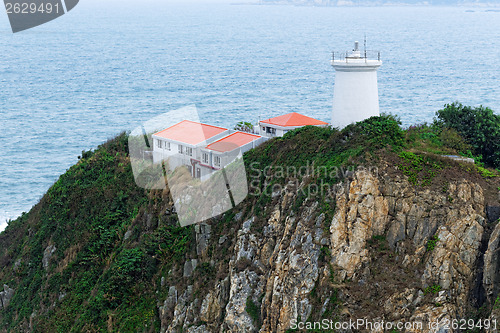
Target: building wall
{"points": [[280, 131], [355, 96], [160, 154], [174, 159]]}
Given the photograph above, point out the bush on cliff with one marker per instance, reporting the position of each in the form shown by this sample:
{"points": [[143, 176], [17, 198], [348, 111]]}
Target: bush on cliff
{"points": [[377, 132], [478, 125]]}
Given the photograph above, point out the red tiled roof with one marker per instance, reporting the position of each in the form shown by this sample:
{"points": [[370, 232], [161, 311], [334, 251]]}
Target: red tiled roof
{"points": [[293, 119], [190, 132], [231, 142]]}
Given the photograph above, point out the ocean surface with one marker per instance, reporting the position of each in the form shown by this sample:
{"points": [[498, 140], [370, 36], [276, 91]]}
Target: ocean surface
{"points": [[106, 67]]}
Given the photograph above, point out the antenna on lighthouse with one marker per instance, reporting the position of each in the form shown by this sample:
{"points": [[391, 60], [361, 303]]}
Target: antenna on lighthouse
{"points": [[365, 46]]}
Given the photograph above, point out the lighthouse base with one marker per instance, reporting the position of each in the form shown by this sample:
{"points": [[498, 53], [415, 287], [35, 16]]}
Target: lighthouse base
{"points": [[355, 96]]}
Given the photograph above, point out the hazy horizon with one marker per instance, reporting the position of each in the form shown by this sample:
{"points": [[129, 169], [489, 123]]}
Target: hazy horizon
{"points": [[345, 3]]}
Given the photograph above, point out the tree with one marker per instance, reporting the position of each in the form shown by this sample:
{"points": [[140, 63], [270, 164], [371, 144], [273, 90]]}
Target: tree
{"points": [[479, 126], [244, 127]]}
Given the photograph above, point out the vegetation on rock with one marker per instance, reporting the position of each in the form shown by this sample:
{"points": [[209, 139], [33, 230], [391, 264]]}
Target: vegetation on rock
{"points": [[117, 248], [479, 126]]}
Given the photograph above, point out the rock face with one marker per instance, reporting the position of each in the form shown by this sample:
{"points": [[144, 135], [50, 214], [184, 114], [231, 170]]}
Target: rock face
{"points": [[6, 296], [47, 254], [388, 252], [202, 237], [491, 276], [189, 267], [493, 212]]}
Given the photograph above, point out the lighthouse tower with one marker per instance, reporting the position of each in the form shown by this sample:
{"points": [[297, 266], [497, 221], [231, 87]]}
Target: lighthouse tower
{"points": [[356, 90]]}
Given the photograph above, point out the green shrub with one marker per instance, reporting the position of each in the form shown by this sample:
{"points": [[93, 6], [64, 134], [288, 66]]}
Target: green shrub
{"points": [[123, 274], [485, 172], [496, 305], [378, 132], [325, 253], [170, 243], [328, 208], [478, 125], [431, 243], [334, 304], [244, 127], [253, 311], [420, 169], [206, 270], [449, 137], [434, 289]]}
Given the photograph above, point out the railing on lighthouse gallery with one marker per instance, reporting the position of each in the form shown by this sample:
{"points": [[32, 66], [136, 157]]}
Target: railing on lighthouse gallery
{"points": [[355, 54], [347, 55]]}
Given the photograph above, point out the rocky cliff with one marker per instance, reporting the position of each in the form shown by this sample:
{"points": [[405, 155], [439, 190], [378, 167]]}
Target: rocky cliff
{"points": [[389, 253], [383, 234]]}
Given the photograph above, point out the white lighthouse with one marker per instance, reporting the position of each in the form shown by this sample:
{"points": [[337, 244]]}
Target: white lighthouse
{"points": [[355, 95]]}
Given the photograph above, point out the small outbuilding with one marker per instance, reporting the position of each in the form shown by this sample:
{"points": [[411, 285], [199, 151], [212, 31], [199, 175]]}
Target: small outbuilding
{"points": [[279, 126]]}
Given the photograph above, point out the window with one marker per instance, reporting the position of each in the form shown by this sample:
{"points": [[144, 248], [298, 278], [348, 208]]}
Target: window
{"points": [[158, 143], [205, 158], [189, 151], [180, 149], [167, 145], [271, 130], [217, 160]]}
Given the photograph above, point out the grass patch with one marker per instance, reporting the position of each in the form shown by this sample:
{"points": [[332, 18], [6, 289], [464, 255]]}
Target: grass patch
{"points": [[431, 243], [420, 169], [434, 289]]}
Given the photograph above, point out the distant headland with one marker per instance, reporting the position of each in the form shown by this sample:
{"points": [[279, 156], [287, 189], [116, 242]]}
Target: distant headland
{"points": [[346, 3]]}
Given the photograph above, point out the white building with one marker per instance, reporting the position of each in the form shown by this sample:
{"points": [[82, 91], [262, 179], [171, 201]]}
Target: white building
{"points": [[280, 125], [180, 144], [223, 151], [202, 148], [356, 88]]}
